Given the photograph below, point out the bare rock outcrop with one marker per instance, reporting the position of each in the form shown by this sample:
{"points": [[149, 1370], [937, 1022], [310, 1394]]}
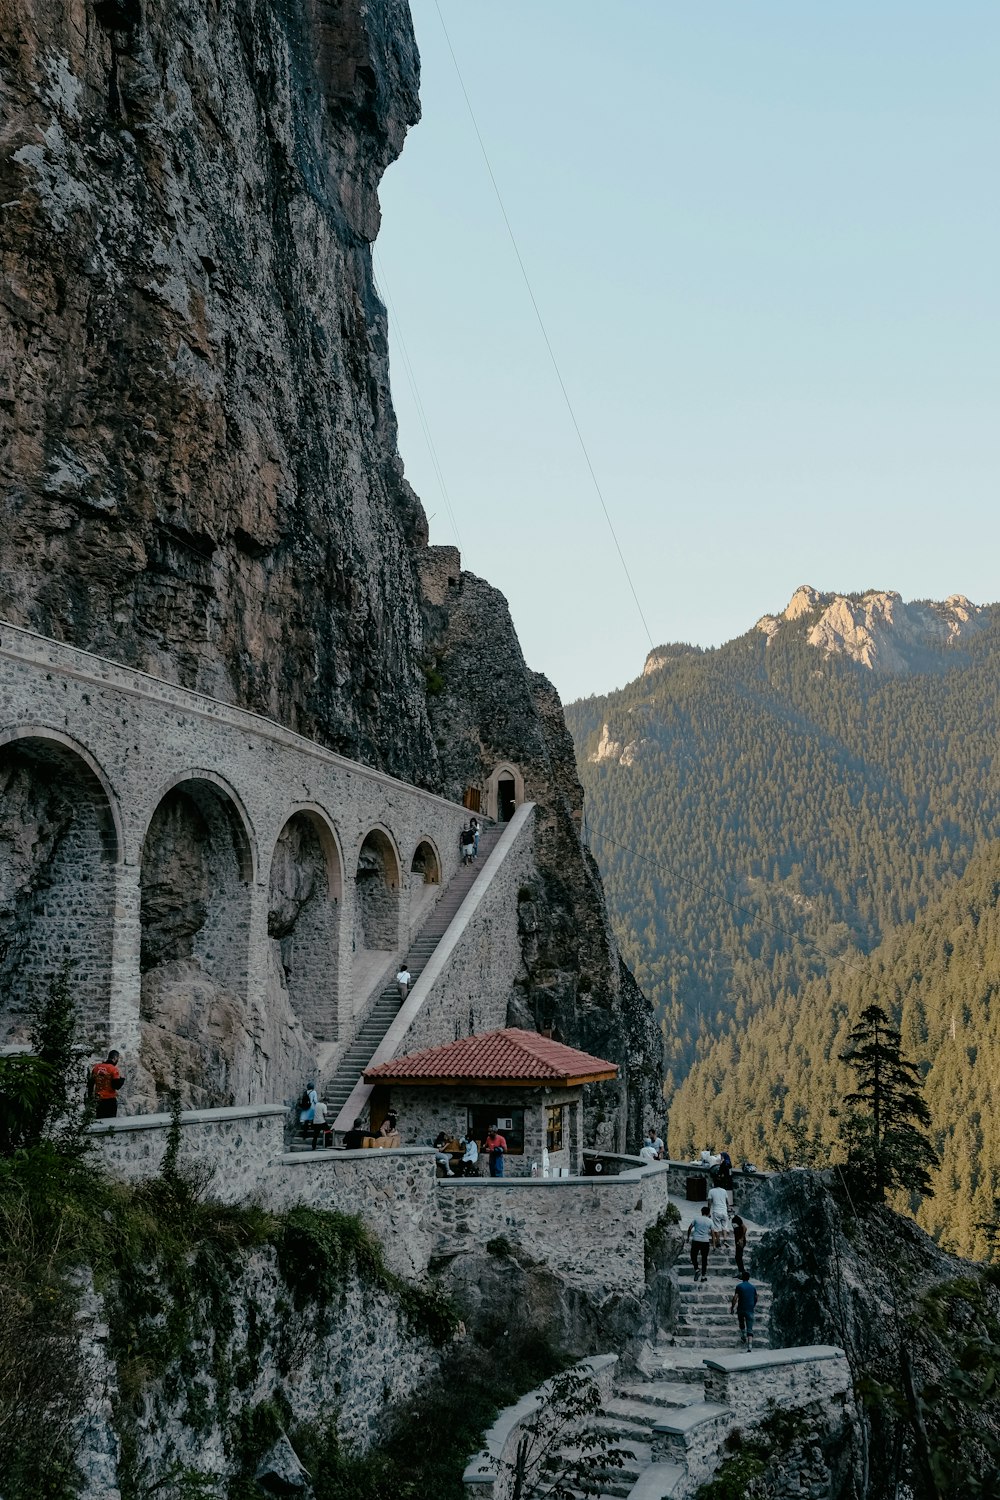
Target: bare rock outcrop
{"points": [[877, 630]]}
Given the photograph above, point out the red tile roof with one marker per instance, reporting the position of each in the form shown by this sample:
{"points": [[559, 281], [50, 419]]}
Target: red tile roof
{"points": [[510, 1056]]}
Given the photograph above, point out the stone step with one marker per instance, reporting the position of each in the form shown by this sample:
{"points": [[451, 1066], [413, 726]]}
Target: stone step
{"points": [[660, 1481], [657, 1394]]}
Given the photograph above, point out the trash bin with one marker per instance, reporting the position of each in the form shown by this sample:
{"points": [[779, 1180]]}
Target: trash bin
{"points": [[697, 1190]]}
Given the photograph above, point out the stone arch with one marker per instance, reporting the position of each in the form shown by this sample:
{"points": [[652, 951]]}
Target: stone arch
{"points": [[244, 840], [305, 892], [377, 882], [195, 877], [426, 862], [504, 792], [60, 841]]}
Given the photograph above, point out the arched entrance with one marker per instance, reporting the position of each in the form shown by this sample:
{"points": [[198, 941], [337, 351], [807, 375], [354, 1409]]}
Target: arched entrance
{"points": [[504, 792], [197, 868], [303, 918], [376, 923], [59, 846]]}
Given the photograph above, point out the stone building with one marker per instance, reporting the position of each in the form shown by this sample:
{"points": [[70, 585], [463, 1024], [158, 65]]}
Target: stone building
{"points": [[527, 1085]]}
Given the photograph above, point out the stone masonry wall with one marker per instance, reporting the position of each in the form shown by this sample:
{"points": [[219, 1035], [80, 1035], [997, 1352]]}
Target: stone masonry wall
{"points": [[589, 1232]]}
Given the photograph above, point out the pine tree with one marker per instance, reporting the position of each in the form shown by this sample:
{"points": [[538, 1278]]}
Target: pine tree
{"points": [[884, 1130]]}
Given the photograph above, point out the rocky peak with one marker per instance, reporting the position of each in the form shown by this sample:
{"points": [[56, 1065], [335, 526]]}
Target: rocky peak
{"points": [[878, 629]]}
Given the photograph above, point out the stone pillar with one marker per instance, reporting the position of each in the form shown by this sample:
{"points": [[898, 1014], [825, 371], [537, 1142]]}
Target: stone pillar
{"points": [[123, 1006]]}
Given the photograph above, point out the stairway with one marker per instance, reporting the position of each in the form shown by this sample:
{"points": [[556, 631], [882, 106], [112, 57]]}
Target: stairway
{"points": [[672, 1395], [378, 1020]]}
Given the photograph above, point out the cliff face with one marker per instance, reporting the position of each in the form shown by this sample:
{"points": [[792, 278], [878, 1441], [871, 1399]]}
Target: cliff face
{"points": [[198, 464], [198, 469]]}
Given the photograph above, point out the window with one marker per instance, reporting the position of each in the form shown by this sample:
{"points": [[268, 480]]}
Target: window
{"points": [[482, 1116], [554, 1127]]}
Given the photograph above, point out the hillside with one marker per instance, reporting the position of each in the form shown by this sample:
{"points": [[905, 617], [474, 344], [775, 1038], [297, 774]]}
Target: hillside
{"points": [[763, 810]]}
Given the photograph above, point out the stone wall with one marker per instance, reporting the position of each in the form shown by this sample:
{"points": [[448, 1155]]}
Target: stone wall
{"points": [[752, 1385], [590, 1232], [236, 1149], [175, 878], [749, 1188]]}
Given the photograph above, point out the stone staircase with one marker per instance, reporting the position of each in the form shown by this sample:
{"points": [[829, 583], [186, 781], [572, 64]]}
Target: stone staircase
{"points": [[381, 1015], [669, 1436]]}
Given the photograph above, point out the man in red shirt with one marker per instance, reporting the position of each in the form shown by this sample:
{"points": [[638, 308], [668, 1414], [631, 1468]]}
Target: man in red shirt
{"points": [[105, 1081], [496, 1145]]}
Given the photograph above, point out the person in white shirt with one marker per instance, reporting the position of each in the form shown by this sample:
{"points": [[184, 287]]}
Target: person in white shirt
{"points": [[718, 1204], [470, 1160], [700, 1234], [403, 981], [319, 1123], [649, 1151]]}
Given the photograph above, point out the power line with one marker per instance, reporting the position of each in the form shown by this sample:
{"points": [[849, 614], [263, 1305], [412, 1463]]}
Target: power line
{"points": [[415, 391], [541, 325]]}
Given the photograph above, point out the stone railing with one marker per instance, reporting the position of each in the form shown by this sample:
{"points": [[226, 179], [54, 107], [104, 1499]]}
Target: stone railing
{"points": [[740, 1390], [752, 1385], [235, 1148], [611, 1164], [590, 1231], [490, 1475], [474, 965]]}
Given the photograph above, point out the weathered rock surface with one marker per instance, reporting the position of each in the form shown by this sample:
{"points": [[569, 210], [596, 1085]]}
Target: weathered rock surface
{"points": [[878, 630]]}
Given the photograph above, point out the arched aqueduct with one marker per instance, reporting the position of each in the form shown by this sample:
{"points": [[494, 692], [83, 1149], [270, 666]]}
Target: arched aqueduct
{"points": [[151, 831]]}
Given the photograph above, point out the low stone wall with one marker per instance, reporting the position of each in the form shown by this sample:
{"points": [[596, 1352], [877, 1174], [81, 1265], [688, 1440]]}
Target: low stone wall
{"points": [[237, 1148], [393, 1191], [490, 1475], [589, 1231], [747, 1186], [754, 1384]]}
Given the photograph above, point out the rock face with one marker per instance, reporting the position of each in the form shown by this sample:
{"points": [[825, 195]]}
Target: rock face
{"points": [[198, 469], [199, 475], [877, 630]]}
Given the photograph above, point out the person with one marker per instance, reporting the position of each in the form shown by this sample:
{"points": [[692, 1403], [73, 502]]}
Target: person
{"points": [[649, 1151], [719, 1206], [467, 845], [724, 1177], [470, 1158], [740, 1243], [355, 1139], [744, 1302], [708, 1158], [496, 1145], [661, 1150], [441, 1156], [474, 825], [321, 1130], [700, 1234], [307, 1104], [105, 1081], [403, 980], [388, 1125]]}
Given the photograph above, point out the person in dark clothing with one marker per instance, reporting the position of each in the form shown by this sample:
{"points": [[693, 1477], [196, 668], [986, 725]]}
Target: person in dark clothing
{"points": [[744, 1304], [740, 1243], [355, 1139]]}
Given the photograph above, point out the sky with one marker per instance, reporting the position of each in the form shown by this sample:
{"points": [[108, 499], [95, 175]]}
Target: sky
{"points": [[763, 237]]}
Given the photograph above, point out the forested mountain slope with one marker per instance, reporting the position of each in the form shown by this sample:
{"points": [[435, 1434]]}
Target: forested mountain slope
{"points": [[763, 810], [940, 976]]}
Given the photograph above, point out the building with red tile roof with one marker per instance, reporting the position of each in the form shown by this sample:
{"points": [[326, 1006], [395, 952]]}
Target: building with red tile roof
{"points": [[505, 1058], [527, 1085]]}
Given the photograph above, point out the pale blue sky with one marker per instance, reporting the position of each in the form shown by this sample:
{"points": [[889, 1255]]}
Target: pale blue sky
{"points": [[765, 239]]}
